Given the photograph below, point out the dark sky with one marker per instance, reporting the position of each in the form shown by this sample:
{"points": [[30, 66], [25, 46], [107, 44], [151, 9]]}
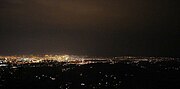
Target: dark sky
{"points": [[90, 27]]}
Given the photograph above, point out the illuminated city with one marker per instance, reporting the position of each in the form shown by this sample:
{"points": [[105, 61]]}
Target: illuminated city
{"points": [[73, 59], [71, 71]]}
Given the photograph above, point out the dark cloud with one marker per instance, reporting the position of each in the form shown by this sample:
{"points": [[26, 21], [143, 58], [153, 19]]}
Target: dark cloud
{"points": [[79, 13], [118, 27]]}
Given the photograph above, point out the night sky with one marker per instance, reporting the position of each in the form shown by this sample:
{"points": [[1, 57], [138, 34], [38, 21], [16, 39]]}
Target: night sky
{"points": [[90, 27]]}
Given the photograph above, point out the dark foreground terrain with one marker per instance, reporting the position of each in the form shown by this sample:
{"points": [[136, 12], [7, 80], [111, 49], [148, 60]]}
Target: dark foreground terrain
{"points": [[120, 75]]}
